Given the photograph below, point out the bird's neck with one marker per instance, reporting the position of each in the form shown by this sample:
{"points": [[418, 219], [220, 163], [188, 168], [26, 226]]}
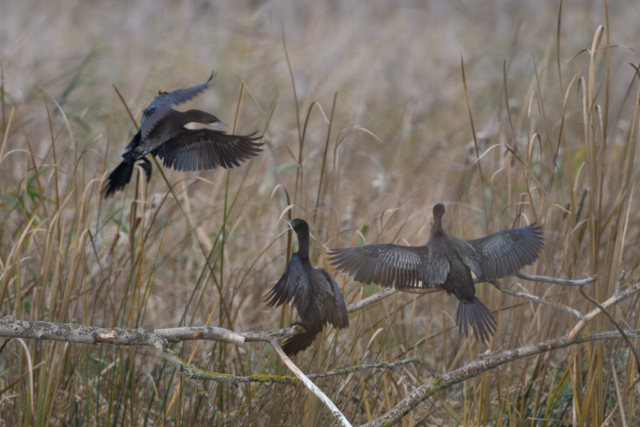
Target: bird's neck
{"points": [[437, 229], [303, 245], [181, 118]]}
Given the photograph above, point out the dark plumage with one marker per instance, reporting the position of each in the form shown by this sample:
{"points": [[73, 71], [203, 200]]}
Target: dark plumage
{"points": [[162, 133], [315, 294], [446, 261]]}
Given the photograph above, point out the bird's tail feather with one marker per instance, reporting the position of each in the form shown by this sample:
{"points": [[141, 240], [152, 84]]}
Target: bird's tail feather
{"points": [[299, 342], [120, 176], [473, 312]]}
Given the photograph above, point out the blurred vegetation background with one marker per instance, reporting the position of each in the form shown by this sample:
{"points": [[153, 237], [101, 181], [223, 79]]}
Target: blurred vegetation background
{"points": [[555, 124]]}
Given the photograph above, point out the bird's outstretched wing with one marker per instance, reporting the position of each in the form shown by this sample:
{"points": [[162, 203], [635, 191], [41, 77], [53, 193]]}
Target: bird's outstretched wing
{"points": [[389, 265], [293, 285], [504, 253], [336, 312], [207, 149], [163, 102]]}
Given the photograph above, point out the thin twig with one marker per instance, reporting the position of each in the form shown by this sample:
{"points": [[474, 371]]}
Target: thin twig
{"points": [[556, 280], [616, 324], [539, 300], [310, 385], [430, 412], [608, 303]]}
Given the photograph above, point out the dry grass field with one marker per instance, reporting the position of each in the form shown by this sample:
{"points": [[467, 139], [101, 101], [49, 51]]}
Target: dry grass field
{"points": [[373, 124]]}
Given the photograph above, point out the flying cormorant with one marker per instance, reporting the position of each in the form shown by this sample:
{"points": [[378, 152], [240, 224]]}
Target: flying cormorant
{"points": [[162, 133]]}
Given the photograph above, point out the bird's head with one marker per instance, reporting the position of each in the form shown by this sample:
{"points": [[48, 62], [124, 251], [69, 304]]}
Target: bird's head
{"points": [[298, 225], [438, 212]]}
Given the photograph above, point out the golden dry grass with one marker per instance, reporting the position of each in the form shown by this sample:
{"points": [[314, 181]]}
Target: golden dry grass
{"points": [[401, 140]]}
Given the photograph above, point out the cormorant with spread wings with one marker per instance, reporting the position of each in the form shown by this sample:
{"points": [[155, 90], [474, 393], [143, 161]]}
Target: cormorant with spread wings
{"points": [[446, 261]]}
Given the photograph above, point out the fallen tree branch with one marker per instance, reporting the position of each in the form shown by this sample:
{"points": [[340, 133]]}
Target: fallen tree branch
{"points": [[477, 367], [211, 333], [310, 385], [141, 337], [92, 335], [158, 339], [616, 324], [540, 300]]}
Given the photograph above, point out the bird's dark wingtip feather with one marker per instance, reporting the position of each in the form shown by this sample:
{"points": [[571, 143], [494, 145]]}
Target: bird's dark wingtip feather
{"points": [[334, 255], [270, 298], [253, 137], [535, 228]]}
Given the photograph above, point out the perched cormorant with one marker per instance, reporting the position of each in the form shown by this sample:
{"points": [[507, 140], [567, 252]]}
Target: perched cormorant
{"points": [[162, 133], [315, 294], [446, 261]]}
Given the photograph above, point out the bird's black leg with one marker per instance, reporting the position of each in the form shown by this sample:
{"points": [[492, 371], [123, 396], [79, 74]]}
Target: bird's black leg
{"points": [[146, 165], [297, 323]]}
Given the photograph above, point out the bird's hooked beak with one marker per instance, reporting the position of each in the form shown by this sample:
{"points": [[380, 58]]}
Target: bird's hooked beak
{"points": [[220, 123], [288, 221]]}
